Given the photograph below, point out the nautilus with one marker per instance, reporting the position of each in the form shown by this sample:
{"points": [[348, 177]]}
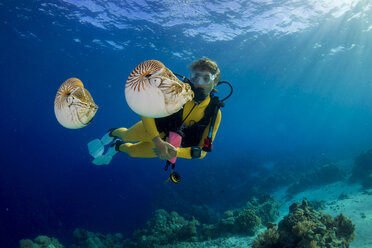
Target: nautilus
{"points": [[74, 106], [152, 90]]}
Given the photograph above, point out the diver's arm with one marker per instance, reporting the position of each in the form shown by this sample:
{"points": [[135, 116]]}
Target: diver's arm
{"points": [[185, 152], [150, 127]]}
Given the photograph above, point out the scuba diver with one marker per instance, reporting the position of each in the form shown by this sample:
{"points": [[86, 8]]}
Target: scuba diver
{"points": [[197, 123]]}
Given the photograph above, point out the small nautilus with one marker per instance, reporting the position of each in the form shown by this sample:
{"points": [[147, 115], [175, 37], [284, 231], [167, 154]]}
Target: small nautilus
{"points": [[74, 106], [152, 90]]}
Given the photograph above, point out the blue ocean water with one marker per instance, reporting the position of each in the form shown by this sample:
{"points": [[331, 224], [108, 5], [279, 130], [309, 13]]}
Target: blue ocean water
{"points": [[301, 72]]}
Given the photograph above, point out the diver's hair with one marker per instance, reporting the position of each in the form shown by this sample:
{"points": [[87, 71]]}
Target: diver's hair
{"points": [[206, 64]]}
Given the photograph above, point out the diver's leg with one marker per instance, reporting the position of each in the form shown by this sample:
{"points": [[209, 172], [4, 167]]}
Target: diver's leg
{"points": [[138, 150], [136, 133]]}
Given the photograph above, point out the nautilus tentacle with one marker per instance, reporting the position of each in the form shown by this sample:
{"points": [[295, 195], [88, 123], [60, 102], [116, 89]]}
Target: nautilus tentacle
{"points": [[74, 106], [152, 90]]}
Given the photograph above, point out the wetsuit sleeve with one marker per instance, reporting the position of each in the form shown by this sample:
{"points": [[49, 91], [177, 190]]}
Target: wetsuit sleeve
{"points": [[185, 152], [150, 126]]}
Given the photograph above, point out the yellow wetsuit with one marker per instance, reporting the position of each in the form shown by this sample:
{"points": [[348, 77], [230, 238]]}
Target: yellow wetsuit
{"points": [[145, 130]]}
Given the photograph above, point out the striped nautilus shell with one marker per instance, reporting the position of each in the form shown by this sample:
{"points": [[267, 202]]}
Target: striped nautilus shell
{"points": [[74, 106], [152, 90]]}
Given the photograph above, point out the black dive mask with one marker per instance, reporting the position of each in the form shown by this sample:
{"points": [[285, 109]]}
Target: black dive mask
{"points": [[199, 94]]}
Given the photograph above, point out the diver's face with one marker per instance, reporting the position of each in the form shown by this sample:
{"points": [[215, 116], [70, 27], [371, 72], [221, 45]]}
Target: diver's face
{"points": [[202, 79], [202, 84]]}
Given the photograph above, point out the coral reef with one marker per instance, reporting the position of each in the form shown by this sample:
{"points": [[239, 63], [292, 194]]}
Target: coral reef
{"points": [[326, 174], [170, 228], [247, 220], [267, 239], [362, 170], [305, 227], [88, 239], [164, 228], [40, 241], [265, 207], [239, 222]]}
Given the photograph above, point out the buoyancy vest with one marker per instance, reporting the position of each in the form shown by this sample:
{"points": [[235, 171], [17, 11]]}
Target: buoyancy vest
{"points": [[191, 135]]}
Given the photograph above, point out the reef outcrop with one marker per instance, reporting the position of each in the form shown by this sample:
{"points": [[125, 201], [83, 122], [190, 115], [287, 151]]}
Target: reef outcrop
{"points": [[40, 241], [307, 228], [164, 228], [86, 239], [248, 219]]}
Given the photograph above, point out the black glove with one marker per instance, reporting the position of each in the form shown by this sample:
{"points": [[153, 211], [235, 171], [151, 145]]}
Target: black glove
{"points": [[111, 130], [117, 143]]}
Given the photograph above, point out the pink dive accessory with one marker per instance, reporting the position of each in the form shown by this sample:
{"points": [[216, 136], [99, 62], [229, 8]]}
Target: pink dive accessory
{"points": [[174, 139]]}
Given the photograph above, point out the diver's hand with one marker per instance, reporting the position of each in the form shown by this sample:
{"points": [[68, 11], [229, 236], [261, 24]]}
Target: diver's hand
{"points": [[163, 149]]}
